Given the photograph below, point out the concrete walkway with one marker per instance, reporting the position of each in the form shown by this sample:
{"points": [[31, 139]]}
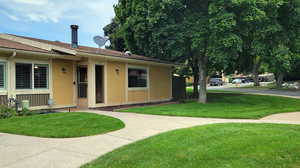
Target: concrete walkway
{"points": [[32, 152]]}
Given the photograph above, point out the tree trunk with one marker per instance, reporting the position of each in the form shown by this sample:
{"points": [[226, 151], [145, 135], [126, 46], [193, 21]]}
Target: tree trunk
{"points": [[279, 79], [256, 78], [256, 68], [195, 85], [202, 81]]}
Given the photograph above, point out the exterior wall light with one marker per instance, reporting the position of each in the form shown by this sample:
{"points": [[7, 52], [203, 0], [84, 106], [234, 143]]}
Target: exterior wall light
{"points": [[64, 70], [117, 71]]}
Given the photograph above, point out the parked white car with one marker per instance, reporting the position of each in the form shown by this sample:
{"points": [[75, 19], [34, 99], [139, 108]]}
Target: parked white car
{"points": [[237, 81]]}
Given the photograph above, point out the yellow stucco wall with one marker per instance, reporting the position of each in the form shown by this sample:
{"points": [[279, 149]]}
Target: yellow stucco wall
{"points": [[138, 96], [160, 83], [63, 82], [116, 83]]}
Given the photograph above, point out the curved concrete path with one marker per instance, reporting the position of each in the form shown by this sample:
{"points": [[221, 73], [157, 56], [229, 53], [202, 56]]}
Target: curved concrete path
{"points": [[32, 152]]}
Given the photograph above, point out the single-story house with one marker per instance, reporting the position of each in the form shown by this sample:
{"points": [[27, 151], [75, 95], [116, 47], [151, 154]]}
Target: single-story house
{"points": [[69, 75]]}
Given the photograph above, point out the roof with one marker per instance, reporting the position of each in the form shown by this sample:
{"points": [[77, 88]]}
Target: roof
{"points": [[15, 45], [6, 43]]}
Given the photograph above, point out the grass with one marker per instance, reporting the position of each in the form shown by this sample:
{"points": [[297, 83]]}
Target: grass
{"points": [[225, 105], [211, 146], [61, 125]]}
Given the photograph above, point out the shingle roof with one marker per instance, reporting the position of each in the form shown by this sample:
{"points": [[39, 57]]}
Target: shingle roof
{"points": [[84, 49], [15, 45]]}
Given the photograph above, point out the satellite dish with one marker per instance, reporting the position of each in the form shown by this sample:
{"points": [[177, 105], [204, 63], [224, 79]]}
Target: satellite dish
{"points": [[100, 41]]}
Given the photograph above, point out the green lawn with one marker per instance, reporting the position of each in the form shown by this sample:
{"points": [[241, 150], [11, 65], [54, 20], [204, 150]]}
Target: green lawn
{"points": [[211, 146], [225, 105], [61, 125]]}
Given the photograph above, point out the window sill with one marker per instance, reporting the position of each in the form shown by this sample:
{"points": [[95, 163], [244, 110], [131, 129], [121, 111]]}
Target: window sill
{"points": [[32, 91], [138, 88]]}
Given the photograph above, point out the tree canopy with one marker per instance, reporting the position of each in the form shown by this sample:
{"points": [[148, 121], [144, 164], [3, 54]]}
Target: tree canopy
{"points": [[208, 35]]}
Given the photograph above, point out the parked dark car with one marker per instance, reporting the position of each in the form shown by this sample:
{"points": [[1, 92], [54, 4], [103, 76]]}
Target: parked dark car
{"points": [[216, 82]]}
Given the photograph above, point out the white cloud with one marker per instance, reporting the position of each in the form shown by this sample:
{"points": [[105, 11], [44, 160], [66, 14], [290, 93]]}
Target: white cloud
{"points": [[32, 2], [90, 15], [12, 17], [56, 10]]}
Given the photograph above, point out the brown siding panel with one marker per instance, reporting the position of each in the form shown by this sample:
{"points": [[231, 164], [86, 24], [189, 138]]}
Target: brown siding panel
{"points": [[3, 99], [160, 83], [35, 99], [116, 83]]}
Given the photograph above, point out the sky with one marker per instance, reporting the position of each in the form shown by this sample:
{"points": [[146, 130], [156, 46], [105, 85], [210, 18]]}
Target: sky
{"points": [[51, 19]]}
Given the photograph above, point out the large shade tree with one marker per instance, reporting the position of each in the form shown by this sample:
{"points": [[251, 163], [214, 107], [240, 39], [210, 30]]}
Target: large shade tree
{"points": [[207, 34], [176, 30]]}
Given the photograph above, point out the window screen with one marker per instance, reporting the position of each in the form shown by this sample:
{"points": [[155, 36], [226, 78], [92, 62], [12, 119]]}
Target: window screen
{"points": [[23, 76], [137, 77], [40, 76], [2, 75]]}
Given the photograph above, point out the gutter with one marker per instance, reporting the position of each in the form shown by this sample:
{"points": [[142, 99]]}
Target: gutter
{"points": [[119, 58], [39, 54]]}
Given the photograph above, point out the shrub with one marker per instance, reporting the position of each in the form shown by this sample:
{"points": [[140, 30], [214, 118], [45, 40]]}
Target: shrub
{"points": [[25, 112], [189, 84], [6, 112]]}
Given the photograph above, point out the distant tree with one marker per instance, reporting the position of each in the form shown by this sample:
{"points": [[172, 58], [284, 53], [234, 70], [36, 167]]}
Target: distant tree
{"points": [[116, 40], [286, 50]]}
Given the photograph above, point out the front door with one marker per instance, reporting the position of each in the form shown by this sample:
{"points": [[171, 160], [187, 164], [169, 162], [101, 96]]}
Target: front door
{"points": [[82, 86]]}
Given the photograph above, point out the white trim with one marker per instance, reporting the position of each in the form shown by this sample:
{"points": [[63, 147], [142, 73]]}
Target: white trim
{"points": [[3, 93], [6, 75], [12, 85], [91, 83], [99, 105], [50, 78], [52, 107], [32, 91]]}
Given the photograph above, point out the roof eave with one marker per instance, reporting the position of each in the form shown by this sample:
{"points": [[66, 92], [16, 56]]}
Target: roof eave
{"points": [[120, 58], [43, 54]]}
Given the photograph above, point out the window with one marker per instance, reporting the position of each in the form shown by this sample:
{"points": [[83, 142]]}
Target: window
{"points": [[40, 76], [23, 76], [2, 75], [137, 78], [30, 76]]}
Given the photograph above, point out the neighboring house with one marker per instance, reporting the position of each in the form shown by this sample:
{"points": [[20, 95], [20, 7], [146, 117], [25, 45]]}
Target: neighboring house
{"points": [[77, 76]]}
